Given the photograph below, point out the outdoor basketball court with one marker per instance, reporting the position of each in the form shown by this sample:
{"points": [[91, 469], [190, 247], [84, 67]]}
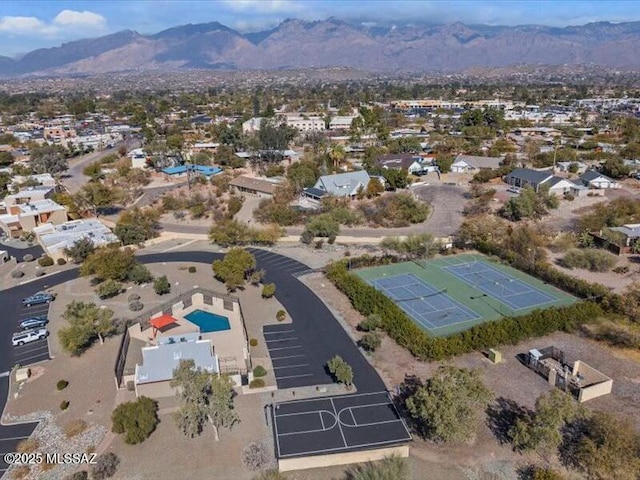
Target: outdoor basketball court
{"points": [[428, 306], [499, 285], [337, 424]]}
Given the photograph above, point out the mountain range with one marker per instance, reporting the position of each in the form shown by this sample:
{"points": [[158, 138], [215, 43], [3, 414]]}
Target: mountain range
{"points": [[330, 43]]}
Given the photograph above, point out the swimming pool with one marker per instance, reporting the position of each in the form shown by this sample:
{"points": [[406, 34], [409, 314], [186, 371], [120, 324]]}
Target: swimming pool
{"points": [[208, 322]]}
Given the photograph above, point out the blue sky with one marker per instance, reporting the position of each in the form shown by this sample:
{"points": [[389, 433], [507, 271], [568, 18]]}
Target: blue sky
{"points": [[29, 24]]}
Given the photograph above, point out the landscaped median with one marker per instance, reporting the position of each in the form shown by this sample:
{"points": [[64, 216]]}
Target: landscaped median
{"points": [[509, 330]]}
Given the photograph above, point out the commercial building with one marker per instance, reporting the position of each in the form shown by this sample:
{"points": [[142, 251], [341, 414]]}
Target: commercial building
{"points": [[54, 239]]}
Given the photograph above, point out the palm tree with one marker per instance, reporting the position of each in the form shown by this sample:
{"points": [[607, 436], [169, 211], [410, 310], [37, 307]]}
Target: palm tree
{"points": [[337, 155]]}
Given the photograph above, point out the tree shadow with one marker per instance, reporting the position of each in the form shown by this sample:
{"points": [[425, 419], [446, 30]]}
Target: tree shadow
{"points": [[502, 415], [572, 434], [408, 388]]}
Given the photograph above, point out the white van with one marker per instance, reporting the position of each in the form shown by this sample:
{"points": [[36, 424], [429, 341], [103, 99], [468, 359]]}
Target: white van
{"points": [[29, 336]]}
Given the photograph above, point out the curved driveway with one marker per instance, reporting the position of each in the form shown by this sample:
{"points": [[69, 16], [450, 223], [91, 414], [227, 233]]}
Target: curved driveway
{"points": [[319, 333]]}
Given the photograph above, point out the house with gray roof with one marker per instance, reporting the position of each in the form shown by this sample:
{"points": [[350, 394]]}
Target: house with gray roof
{"points": [[154, 375], [594, 179], [526, 177], [343, 184], [473, 163]]}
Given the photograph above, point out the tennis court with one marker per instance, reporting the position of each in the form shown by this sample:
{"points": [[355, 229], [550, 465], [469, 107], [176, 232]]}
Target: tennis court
{"points": [[499, 285], [450, 294], [428, 306]]}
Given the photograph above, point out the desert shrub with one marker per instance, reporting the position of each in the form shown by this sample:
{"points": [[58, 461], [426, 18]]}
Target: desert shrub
{"points": [[62, 261], [621, 269], [318, 244], [306, 237], [259, 371], [105, 467], [268, 290], [192, 269], [134, 297], [255, 456], [589, 259], [253, 342], [74, 428], [62, 384], [569, 197], [341, 370], [367, 300], [234, 206], [371, 323], [28, 258], [323, 225], [395, 210], [281, 315], [136, 420], [136, 306], [28, 445], [161, 285], [17, 274], [332, 239], [390, 468], [109, 289], [256, 383], [621, 332], [370, 341], [140, 274], [39, 273], [45, 261], [64, 404], [80, 475]]}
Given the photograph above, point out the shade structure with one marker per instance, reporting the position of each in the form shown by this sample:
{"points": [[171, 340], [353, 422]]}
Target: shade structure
{"points": [[162, 321]]}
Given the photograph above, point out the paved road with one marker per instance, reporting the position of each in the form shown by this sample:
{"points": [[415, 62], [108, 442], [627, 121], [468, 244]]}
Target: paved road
{"points": [[74, 178], [318, 333]]}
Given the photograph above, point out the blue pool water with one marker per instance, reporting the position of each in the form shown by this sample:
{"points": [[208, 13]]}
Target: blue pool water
{"points": [[208, 322]]}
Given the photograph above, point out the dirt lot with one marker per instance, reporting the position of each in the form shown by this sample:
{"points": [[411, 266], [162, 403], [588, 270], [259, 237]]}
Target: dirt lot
{"points": [[509, 379]]}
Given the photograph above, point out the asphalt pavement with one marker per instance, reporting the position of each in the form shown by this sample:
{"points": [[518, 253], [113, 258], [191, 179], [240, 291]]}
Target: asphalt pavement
{"points": [[319, 335]]}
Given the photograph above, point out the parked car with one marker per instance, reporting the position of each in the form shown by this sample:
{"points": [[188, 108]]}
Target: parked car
{"points": [[33, 322], [29, 336], [38, 298]]}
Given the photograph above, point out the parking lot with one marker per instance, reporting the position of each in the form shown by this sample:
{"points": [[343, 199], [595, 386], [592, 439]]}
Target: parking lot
{"points": [[33, 352]]}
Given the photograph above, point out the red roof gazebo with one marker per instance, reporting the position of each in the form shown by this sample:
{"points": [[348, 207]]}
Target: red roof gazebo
{"points": [[160, 322]]}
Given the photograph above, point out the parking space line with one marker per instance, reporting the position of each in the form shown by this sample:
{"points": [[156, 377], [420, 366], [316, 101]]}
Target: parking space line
{"points": [[281, 331], [14, 438], [20, 349], [33, 356], [284, 348], [296, 376], [292, 366], [281, 339], [287, 356]]}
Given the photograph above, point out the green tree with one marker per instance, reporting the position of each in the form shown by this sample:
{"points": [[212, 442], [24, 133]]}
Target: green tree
{"points": [[341, 370], [323, 225], [234, 268], [5, 181], [136, 225], [105, 466], [136, 420], [337, 155], [109, 263], [161, 285], [87, 322], [94, 171], [204, 398], [374, 188], [96, 197], [80, 250], [446, 408], [370, 341], [48, 159], [303, 174], [615, 168], [390, 468], [6, 159], [529, 204], [609, 448]]}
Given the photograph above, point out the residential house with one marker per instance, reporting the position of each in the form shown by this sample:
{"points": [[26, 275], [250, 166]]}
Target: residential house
{"points": [[473, 163], [204, 147], [341, 122], [305, 124], [630, 231], [153, 377], [594, 179], [41, 179], [252, 125], [343, 184], [260, 187], [54, 239], [526, 177], [566, 166], [138, 158], [24, 217], [29, 194], [402, 161], [182, 170]]}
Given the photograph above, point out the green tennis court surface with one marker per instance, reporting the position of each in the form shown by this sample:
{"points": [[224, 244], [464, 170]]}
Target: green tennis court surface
{"points": [[451, 294]]}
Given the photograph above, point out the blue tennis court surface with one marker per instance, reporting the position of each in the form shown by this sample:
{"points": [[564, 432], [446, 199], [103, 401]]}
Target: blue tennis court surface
{"points": [[499, 285], [429, 307]]}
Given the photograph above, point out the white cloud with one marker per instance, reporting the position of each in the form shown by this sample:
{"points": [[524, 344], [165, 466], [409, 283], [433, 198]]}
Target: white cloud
{"points": [[263, 6], [24, 26], [80, 19], [82, 22]]}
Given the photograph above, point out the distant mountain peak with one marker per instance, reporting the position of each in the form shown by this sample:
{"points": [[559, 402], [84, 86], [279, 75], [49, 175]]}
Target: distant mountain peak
{"points": [[373, 46]]}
